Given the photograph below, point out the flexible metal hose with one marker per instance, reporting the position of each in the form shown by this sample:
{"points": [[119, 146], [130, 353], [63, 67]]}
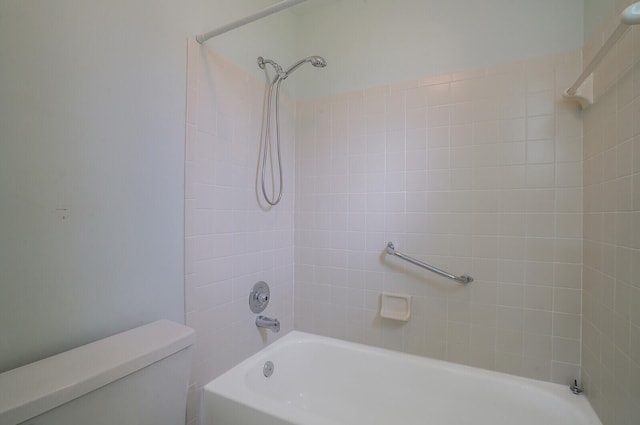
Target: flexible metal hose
{"points": [[267, 148]]}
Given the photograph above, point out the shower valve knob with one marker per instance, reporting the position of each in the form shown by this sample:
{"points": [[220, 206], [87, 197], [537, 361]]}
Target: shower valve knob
{"points": [[259, 297]]}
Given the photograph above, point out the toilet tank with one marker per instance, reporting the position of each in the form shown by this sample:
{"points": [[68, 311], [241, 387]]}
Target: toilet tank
{"points": [[138, 377]]}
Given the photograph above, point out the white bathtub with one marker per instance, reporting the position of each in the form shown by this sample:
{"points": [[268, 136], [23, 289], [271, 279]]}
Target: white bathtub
{"points": [[323, 381]]}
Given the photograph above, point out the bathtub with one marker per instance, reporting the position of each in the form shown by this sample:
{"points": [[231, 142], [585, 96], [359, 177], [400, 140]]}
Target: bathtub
{"points": [[322, 381]]}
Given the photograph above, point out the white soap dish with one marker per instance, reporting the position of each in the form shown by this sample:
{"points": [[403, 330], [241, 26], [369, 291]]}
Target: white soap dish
{"points": [[395, 306]]}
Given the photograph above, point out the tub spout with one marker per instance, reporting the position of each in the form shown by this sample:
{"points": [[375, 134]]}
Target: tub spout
{"points": [[268, 323]]}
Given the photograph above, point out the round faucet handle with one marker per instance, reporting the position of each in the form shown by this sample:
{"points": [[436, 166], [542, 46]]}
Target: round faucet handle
{"points": [[259, 297]]}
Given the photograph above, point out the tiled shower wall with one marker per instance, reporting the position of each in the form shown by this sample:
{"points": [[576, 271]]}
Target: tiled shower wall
{"points": [[611, 295], [478, 172], [231, 240]]}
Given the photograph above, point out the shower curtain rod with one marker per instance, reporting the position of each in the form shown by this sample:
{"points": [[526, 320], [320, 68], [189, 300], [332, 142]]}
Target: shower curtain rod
{"points": [[630, 16], [285, 4]]}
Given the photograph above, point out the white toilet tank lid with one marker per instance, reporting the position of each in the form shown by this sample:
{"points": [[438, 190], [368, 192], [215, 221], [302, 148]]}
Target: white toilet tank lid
{"points": [[33, 389]]}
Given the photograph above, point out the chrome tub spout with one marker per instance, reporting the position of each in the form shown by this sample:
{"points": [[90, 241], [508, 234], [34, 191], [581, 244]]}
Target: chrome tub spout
{"points": [[268, 323]]}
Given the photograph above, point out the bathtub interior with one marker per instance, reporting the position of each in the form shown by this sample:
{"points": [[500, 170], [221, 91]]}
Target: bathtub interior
{"points": [[322, 380]]}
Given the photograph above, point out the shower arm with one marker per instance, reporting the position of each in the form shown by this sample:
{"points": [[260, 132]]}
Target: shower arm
{"points": [[280, 74]]}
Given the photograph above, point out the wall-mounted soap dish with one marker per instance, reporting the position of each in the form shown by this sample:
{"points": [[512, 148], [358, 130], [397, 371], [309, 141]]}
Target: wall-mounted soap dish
{"points": [[395, 306]]}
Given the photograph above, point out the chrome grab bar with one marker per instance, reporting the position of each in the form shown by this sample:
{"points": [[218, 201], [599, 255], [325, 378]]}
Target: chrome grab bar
{"points": [[391, 250]]}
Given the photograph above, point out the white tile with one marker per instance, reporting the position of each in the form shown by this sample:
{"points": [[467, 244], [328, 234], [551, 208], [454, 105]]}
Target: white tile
{"points": [[540, 127], [487, 186]]}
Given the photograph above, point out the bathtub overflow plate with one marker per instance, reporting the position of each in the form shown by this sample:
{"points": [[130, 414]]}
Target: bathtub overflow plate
{"points": [[267, 369]]}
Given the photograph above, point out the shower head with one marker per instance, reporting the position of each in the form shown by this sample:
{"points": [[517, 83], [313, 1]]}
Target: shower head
{"points": [[316, 61]]}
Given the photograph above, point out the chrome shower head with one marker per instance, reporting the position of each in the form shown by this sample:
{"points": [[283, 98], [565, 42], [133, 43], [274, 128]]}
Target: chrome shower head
{"points": [[317, 61]]}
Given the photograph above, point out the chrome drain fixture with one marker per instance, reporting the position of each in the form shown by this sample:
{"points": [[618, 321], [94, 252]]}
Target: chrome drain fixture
{"points": [[267, 369]]}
